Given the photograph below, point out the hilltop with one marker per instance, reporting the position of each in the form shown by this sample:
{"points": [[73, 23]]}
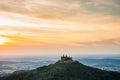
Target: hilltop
{"points": [[64, 69]]}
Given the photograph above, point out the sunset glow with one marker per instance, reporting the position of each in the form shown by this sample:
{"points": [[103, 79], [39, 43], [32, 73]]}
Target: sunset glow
{"points": [[3, 40], [76, 24]]}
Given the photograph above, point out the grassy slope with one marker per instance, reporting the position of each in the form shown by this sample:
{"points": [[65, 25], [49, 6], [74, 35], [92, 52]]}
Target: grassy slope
{"points": [[65, 71]]}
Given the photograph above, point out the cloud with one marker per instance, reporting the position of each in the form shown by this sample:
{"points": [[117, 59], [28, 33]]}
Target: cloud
{"points": [[74, 10], [100, 43], [56, 21]]}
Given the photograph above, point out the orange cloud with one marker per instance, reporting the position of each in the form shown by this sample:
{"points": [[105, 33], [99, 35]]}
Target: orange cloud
{"points": [[47, 22]]}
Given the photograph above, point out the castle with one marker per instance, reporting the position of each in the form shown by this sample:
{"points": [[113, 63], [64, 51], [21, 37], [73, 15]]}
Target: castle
{"points": [[65, 59]]}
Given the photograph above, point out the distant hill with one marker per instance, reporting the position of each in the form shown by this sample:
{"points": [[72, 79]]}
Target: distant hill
{"points": [[64, 70]]}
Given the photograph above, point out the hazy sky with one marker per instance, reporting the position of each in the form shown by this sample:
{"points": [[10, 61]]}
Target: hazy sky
{"points": [[42, 27]]}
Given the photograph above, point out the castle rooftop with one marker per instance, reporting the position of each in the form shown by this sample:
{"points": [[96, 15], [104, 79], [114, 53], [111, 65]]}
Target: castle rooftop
{"points": [[65, 59]]}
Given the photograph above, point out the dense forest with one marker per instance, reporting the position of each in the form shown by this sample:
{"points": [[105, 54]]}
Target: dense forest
{"points": [[64, 71]]}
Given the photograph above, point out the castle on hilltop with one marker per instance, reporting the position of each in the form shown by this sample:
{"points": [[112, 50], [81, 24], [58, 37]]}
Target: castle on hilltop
{"points": [[65, 59]]}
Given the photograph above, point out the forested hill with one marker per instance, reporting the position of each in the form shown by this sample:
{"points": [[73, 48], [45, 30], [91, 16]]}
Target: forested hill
{"points": [[64, 71]]}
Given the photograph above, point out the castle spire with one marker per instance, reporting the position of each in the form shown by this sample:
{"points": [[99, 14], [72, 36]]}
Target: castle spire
{"points": [[65, 59]]}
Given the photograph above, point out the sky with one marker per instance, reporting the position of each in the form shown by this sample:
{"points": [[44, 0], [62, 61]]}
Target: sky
{"points": [[55, 27]]}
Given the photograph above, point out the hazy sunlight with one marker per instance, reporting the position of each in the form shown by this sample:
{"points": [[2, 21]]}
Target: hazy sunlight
{"points": [[3, 40]]}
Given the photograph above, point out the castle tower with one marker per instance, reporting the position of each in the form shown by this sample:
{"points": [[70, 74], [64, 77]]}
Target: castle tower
{"points": [[65, 59]]}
